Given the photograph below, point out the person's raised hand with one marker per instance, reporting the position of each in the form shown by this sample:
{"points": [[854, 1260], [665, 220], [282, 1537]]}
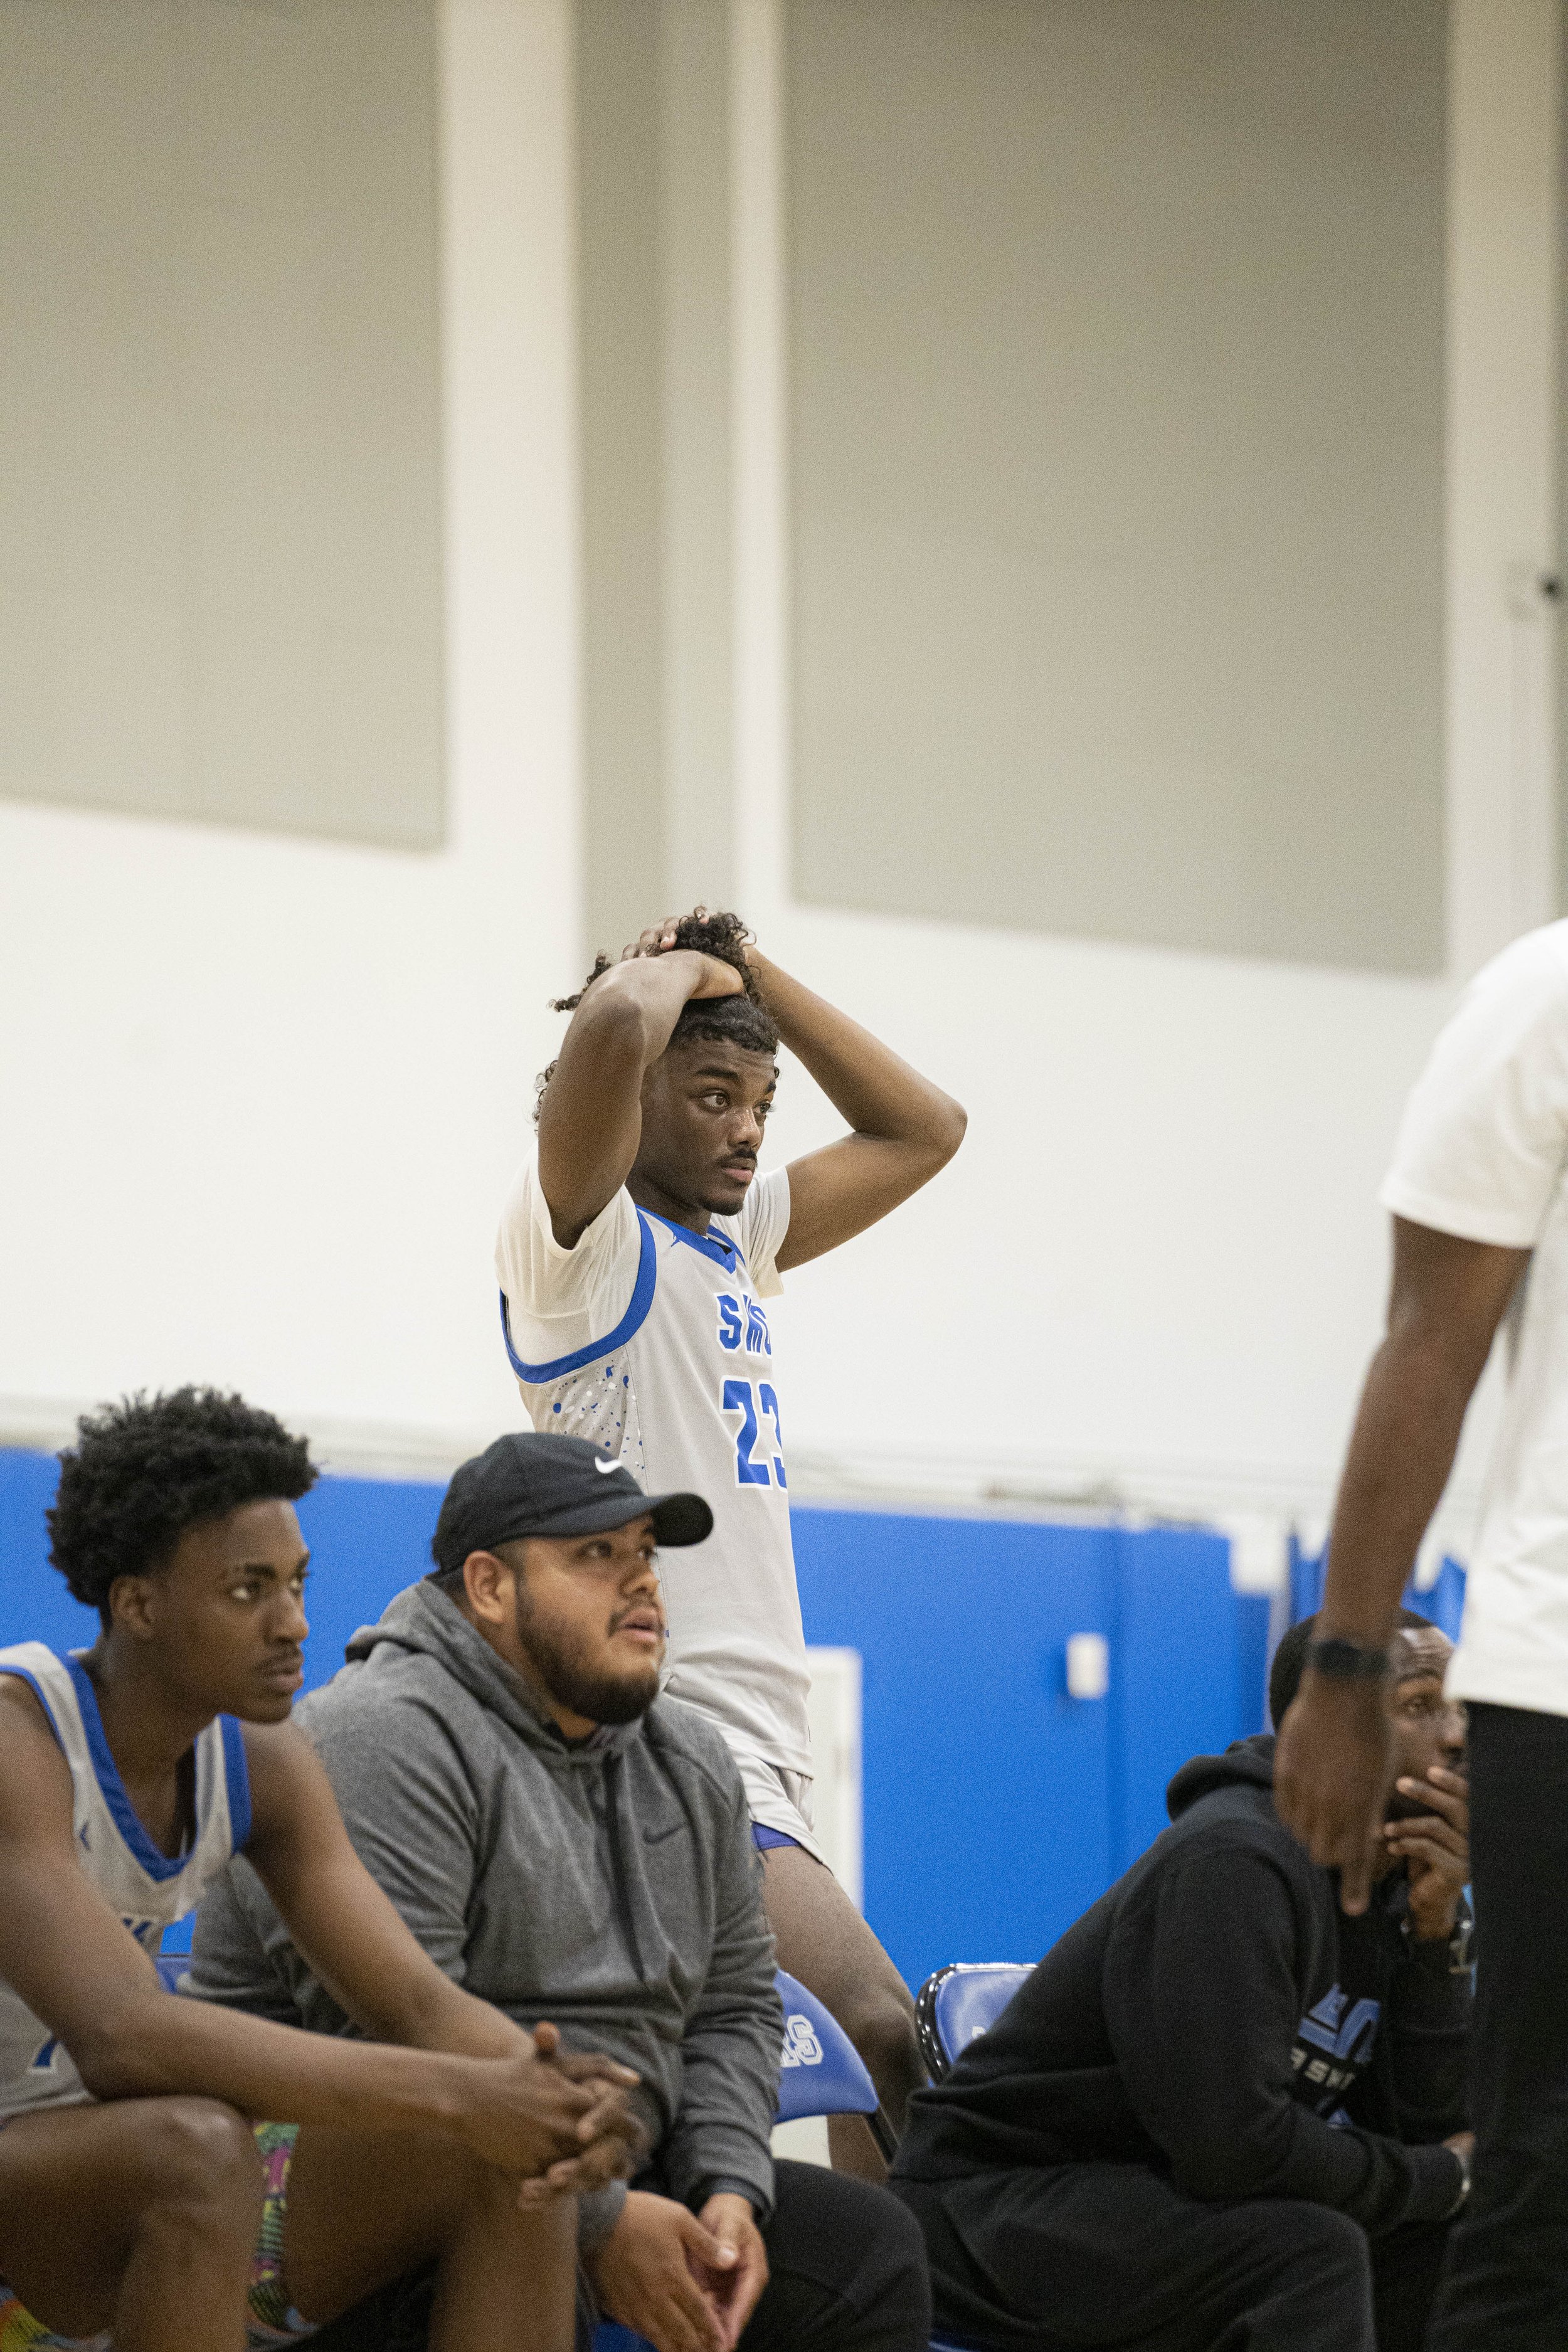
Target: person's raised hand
{"points": [[561, 2135], [711, 976], [653, 2272], [658, 939], [1333, 1762], [1435, 1847], [714, 976], [736, 2286]]}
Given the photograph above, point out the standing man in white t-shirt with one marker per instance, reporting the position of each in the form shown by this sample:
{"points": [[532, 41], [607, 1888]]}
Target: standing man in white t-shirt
{"points": [[1479, 1194], [636, 1256]]}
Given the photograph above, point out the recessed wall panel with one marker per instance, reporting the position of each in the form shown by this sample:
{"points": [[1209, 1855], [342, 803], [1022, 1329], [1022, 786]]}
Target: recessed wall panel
{"points": [[220, 436], [1115, 349]]}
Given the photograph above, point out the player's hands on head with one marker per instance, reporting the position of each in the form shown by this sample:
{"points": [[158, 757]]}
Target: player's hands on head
{"points": [[1435, 1848], [688, 2282], [1332, 1763], [659, 938], [715, 977]]}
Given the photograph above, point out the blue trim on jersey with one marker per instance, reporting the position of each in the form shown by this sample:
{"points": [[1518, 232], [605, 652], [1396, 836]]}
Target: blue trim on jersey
{"points": [[23, 1674], [718, 1246], [237, 1774], [765, 1839], [156, 1866], [631, 1322]]}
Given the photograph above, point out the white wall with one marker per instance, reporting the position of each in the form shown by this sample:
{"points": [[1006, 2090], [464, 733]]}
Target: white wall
{"points": [[260, 1096]]}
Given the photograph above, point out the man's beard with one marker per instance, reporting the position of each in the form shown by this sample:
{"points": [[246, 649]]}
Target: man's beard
{"points": [[572, 1683]]}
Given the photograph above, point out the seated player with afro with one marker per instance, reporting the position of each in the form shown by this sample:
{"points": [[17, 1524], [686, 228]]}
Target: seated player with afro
{"points": [[137, 2202]]}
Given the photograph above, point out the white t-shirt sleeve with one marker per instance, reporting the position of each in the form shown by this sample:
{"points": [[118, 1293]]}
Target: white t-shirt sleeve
{"points": [[562, 1299], [1484, 1136], [760, 1230]]}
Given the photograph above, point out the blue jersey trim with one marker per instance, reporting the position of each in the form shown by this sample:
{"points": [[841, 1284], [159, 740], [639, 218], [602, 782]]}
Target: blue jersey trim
{"points": [[629, 1325], [156, 1866], [23, 1674], [236, 1775], [722, 1251], [763, 1838]]}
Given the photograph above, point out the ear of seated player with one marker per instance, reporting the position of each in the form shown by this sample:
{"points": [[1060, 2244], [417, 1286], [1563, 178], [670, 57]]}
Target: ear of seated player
{"points": [[136, 2199], [574, 1846], [1219, 2111]]}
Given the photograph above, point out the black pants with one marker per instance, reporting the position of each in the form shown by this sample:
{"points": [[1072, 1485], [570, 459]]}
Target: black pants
{"points": [[1506, 2284], [1102, 2255], [846, 2270], [847, 2273]]}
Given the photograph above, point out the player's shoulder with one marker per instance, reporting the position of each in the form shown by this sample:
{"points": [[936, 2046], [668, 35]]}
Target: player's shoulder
{"points": [[35, 1771], [1528, 978], [22, 1709], [36, 1691]]}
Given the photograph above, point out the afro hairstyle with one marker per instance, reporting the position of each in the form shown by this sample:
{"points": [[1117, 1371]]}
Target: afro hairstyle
{"points": [[744, 1020], [1290, 1663], [145, 1470]]}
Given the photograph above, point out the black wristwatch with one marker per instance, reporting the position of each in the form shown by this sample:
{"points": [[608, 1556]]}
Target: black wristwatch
{"points": [[1346, 1662], [1453, 1955]]}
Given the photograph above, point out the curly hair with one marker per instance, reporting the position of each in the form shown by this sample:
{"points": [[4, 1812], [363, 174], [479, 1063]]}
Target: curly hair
{"points": [[146, 1469], [744, 1020]]}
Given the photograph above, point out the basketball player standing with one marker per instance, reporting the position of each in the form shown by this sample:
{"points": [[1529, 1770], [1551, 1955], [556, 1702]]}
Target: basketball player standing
{"points": [[636, 1255]]}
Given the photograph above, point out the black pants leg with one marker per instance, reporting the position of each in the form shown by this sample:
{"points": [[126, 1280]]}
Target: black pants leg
{"points": [[1406, 2268], [1087, 2258], [1506, 2286], [846, 2269]]}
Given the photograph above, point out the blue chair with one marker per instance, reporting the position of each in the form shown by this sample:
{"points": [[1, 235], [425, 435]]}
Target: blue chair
{"points": [[959, 2003], [953, 2008], [822, 2072]]}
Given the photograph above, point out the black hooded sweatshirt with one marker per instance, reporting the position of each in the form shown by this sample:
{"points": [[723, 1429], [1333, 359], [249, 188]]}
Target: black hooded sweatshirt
{"points": [[1217, 2018]]}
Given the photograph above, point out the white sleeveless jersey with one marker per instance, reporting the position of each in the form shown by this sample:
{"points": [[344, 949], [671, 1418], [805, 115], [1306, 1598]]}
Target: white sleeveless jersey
{"points": [[652, 1341], [147, 1890]]}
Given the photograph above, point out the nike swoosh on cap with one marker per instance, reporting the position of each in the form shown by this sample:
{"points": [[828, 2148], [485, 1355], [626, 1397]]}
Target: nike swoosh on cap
{"points": [[602, 1465]]}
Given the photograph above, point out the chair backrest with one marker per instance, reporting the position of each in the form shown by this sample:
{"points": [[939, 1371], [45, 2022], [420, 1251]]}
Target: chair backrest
{"points": [[822, 2071], [959, 2003]]}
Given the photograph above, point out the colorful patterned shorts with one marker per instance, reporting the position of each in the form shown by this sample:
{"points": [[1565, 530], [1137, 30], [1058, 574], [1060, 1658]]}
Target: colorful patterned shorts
{"points": [[273, 2320]]}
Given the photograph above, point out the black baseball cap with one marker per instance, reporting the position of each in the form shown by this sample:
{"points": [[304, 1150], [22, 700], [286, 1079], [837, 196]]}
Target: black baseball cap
{"points": [[525, 1484]]}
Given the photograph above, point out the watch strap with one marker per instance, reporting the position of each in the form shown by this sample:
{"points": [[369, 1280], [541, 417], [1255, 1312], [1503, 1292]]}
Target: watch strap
{"points": [[1346, 1662]]}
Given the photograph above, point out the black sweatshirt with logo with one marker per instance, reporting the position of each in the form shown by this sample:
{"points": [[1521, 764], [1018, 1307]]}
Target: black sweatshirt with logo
{"points": [[1217, 2018]]}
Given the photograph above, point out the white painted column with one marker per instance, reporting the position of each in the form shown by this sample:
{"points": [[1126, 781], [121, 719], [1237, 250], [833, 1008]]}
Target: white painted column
{"points": [[513, 538], [1503, 101], [760, 438]]}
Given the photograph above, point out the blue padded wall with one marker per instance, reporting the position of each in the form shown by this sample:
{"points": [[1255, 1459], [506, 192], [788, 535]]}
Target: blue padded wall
{"points": [[996, 1808]]}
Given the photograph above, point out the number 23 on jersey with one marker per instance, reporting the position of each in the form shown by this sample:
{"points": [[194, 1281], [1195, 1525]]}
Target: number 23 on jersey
{"points": [[759, 1440]]}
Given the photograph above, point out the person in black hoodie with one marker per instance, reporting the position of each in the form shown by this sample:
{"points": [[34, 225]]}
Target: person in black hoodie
{"points": [[1221, 2116]]}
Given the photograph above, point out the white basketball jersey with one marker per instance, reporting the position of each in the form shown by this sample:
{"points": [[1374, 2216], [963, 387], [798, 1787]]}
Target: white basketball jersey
{"points": [[147, 1890], [652, 1342]]}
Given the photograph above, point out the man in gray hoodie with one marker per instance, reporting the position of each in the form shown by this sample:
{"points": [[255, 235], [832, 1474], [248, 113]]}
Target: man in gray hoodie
{"points": [[571, 1846]]}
